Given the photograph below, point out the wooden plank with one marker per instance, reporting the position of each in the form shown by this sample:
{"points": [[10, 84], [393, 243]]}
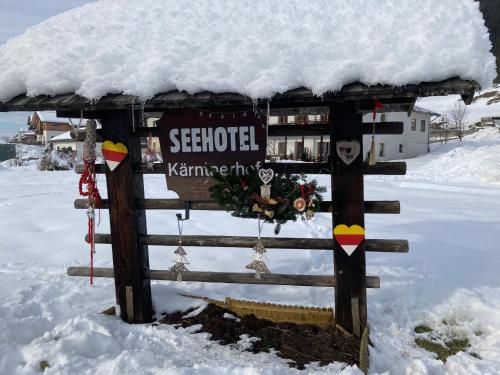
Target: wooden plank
{"points": [[381, 168], [372, 245], [348, 198], [356, 326], [229, 277], [127, 223], [371, 207]]}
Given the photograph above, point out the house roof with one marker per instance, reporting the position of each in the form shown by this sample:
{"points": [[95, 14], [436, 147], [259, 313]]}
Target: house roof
{"points": [[252, 48], [425, 111], [51, 116]]}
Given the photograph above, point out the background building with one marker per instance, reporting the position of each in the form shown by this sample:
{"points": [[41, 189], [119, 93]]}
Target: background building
{"points": [[412, 142]]}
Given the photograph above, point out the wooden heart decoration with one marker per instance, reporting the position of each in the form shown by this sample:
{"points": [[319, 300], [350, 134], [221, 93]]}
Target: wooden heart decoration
{"points": [[348, 151], [266, 175], [349, 238], [114, 153]]}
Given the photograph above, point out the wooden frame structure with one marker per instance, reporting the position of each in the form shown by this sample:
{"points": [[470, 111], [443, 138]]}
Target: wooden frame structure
{"points": [[121, 120]]}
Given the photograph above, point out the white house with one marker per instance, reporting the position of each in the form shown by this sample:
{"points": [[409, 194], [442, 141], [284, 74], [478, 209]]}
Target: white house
{"points": [[412, 142], [74, 140], [47, 126]]}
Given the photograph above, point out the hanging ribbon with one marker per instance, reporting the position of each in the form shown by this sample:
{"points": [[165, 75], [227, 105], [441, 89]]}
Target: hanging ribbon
{"points": [[88, 178]]}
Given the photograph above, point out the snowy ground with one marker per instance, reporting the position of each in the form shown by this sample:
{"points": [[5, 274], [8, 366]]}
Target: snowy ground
{"points": [[450, 202]]}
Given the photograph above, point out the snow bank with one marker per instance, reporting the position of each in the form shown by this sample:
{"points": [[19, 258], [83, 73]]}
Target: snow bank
{"points": [[474, 160], [145, 47]]}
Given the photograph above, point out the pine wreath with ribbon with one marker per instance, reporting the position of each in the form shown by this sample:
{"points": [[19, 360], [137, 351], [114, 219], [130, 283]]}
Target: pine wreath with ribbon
{"points": [[292, 196]]}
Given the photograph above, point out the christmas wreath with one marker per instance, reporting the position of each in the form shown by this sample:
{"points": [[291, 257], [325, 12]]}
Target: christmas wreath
{"points": [[276, 198]]}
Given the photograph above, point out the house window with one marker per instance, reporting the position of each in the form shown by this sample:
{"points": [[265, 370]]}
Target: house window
{"points": [[301, 119], [282, 149], [400, 148], [422, 125], [383, 117], [381, 150], [282, 120], [413, 124]]}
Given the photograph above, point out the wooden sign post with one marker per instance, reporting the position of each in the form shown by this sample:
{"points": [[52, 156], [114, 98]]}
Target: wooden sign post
{"points": [[348, 209], [128, 223], [192, 140]]}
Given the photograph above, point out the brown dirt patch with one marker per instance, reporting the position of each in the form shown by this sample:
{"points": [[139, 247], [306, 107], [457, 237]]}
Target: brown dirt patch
{"points": [[300, 343]]}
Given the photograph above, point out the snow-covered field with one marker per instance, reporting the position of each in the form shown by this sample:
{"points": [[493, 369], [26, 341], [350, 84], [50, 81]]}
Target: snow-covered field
{"points": [[449, 280]]}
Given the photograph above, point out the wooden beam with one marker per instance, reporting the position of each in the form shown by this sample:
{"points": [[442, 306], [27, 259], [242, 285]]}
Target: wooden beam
{"points": [[381, 168], [348, 202], [128, 223], [300, 97], [371, 207], [383, 246], [229, 277]]}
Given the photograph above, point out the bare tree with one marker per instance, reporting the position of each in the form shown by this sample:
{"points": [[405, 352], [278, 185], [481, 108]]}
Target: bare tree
{"points": [[456, 117]]}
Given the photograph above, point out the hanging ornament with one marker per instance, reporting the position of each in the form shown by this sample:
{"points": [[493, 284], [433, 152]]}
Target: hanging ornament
{"points": [[114, 154], [180, 254], [348, 151], [258, 264], [88, 178], [266, 175], [372, 160]]}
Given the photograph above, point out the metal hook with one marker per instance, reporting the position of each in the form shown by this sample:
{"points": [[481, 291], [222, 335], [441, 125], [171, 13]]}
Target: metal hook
{"points": [[187, 208]]}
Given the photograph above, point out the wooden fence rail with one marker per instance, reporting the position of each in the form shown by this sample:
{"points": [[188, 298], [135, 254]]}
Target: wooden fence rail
{"points": [[371, 207], [229, 277], [372, 245]]}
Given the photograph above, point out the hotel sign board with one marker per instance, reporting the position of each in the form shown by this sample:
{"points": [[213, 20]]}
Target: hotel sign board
{"points": [[192, 140]]}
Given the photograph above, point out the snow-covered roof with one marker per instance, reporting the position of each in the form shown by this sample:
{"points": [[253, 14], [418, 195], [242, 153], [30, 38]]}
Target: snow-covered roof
{"points": [[63, 137], [255, 48], [425, 111], [50, 116]]}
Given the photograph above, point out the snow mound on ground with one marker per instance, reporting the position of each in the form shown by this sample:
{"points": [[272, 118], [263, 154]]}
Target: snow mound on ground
{"points": [[474, 160], [145, 47]]}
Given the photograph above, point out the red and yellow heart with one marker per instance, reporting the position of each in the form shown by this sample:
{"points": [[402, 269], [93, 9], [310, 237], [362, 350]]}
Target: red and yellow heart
{"points": [[349, 238], [114, 153]]}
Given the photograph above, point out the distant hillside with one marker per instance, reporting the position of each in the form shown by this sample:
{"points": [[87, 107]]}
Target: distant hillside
{"points": [[491, 12]]}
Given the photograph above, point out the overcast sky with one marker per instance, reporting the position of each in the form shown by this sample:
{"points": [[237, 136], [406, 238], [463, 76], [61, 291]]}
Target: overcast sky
{"points": [[15, 17]]}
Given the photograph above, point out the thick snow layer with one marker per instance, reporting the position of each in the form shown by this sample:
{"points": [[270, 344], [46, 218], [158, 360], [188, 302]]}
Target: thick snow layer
{"points": [[449, 280], [257, 48]]}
